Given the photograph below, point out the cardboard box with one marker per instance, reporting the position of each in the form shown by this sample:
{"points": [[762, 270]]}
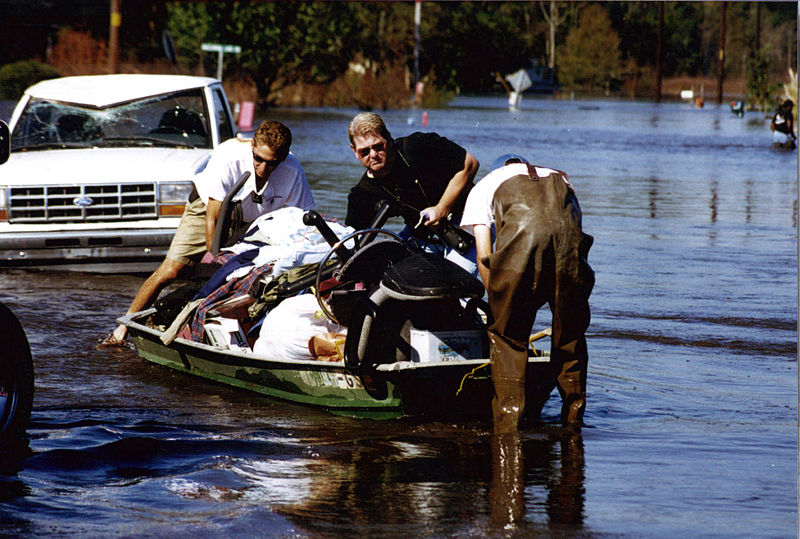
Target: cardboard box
{"points": [[226, 333], [446, 345]]}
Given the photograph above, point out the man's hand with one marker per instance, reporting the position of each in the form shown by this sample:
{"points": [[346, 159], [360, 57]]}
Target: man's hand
{"points": [[432, 216]]}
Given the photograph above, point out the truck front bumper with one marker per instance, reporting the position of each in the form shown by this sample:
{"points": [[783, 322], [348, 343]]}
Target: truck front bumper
{"points": [[108, 250]]}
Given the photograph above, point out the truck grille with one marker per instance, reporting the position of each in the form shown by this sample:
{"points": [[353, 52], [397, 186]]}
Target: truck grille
{"points": [[82, 203]]}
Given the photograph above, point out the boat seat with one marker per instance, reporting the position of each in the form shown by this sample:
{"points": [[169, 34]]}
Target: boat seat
{"points": [[367, 266], [370, 262], [429, 276]]}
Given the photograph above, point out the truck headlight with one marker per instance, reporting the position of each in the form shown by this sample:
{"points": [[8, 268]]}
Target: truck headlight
{"points": [[172, 197], [3, 203]]}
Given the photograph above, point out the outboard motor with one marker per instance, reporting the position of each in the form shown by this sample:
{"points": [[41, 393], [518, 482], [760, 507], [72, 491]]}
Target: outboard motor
{"points": [[421, 291]]}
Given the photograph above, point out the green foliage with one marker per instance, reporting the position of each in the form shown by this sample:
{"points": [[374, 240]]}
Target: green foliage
{"points": [[591, 58], [190, 25], [759, 88], [15, 78], [282, 43], [466, 43]]}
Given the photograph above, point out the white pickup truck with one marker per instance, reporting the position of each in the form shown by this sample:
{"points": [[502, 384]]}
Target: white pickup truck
{"points": [[101, 166]]}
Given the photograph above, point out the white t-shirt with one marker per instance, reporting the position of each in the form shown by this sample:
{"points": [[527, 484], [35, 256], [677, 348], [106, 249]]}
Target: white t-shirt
{"points": [[287, 185], [479, 207]]}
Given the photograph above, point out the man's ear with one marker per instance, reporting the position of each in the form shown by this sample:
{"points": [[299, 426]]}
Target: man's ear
{"points": [[354, 151]]}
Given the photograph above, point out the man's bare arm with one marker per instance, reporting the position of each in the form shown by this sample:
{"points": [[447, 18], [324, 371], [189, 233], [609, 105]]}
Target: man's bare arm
{"points": [[212, 214], [452, 191], [483, 248]]}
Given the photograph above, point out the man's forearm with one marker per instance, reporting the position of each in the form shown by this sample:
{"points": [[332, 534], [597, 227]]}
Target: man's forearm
{"points": [[212, 214], [454, 188], [483, 248]]}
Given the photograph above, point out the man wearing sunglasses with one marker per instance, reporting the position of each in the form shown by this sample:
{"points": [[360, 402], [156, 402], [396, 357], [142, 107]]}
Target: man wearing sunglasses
{"points": [[276, 179], [427, 178]]}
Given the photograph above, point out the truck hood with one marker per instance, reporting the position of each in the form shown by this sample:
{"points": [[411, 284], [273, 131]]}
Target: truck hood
{"points": [[103, 165]]}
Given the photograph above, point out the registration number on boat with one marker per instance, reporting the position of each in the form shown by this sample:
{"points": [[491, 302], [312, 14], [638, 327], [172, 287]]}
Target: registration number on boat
{"points": [[332, 379]]}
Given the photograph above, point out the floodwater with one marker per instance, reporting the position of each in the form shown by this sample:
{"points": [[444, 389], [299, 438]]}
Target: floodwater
{"points": [[691, 426]]}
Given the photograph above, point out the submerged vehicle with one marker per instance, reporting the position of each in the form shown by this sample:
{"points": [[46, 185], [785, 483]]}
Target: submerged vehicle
{"points": [[414, 340], [101, 167]]}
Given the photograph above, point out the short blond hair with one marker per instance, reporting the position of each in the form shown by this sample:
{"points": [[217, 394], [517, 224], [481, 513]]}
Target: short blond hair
{"points": [[367, 123], [275, 135]]}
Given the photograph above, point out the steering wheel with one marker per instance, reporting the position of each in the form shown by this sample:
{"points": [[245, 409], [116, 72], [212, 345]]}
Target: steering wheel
{"points": [[367, 231]]}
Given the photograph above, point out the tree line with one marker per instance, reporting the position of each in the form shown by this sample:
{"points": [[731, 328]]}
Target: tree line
{"points": [[593, 46]]}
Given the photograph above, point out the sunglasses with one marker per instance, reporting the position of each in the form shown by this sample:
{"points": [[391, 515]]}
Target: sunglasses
{"points": [[379, 147], [270, 163]]}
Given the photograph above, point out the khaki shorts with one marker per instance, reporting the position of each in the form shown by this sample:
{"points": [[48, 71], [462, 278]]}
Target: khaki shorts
{"points": [[189, 243]]}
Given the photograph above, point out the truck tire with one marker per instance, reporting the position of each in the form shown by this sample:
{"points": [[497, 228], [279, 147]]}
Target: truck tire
{"points": [[16, 377]]}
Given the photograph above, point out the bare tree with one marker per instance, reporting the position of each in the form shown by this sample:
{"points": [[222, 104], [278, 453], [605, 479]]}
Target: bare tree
{"points": [[553, 19]]}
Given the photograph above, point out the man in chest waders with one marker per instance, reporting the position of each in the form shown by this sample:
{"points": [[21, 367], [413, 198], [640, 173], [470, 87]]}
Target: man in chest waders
{"points": [[539, 257]]}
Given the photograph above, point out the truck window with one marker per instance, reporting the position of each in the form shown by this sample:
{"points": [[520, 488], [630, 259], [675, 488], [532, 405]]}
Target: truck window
{"points": [[221, 113]]}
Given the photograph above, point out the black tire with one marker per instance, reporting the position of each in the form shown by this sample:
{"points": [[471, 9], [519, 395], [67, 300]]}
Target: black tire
{"points": [[16, 377]]}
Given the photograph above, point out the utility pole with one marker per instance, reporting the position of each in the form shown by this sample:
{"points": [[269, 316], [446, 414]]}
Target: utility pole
{"points": [[723, 11], [417, 22], [659, 52], [115, 20]]}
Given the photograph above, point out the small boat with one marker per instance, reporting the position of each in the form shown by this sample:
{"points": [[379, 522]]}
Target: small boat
{"points": [[454, 389], [415, 344]]}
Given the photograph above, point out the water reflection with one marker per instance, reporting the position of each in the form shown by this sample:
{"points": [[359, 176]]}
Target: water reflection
{"points": [[652, 196], [519, 465], [530, 482], [748, 200], [13, 451], [714, 201]]}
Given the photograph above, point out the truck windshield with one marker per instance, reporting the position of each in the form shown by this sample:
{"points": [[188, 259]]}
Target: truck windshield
{"points": [[175, 119]]}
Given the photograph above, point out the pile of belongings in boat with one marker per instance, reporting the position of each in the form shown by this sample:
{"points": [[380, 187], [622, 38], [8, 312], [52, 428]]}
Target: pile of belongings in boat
{"points": [[249, 304]]}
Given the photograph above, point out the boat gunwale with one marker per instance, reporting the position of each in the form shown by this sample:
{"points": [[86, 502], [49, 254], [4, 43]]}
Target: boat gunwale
{"points": [[233, 357]]}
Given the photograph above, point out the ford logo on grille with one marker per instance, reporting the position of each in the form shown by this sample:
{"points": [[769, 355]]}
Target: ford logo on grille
{"points": [[82, 201]]}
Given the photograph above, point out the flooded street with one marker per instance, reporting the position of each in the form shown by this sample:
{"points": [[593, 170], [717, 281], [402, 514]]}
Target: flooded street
{"points": [[692, 389]]}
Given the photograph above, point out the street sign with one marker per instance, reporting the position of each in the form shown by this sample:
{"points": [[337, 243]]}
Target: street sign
{"points": [[220, 50], [216, 47]]}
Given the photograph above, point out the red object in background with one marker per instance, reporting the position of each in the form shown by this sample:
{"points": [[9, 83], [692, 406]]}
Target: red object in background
{"points": [[246, 115]]}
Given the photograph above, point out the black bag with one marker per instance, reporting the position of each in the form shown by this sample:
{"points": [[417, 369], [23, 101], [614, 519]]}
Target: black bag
{"points": [[455, 237]]}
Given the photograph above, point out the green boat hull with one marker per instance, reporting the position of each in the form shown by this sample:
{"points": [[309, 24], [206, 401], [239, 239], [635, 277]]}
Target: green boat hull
{"points": [[452, 390]]}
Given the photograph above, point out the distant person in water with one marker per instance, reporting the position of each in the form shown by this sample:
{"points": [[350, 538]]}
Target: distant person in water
{"points": [[539, 256], [782, 126]]}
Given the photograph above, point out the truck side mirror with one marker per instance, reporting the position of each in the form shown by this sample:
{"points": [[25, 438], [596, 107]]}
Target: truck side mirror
{"points": [[5, 142]]}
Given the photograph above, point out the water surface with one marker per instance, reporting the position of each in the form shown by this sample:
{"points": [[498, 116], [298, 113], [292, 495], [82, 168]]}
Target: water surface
{"points": [[692, 410]]}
